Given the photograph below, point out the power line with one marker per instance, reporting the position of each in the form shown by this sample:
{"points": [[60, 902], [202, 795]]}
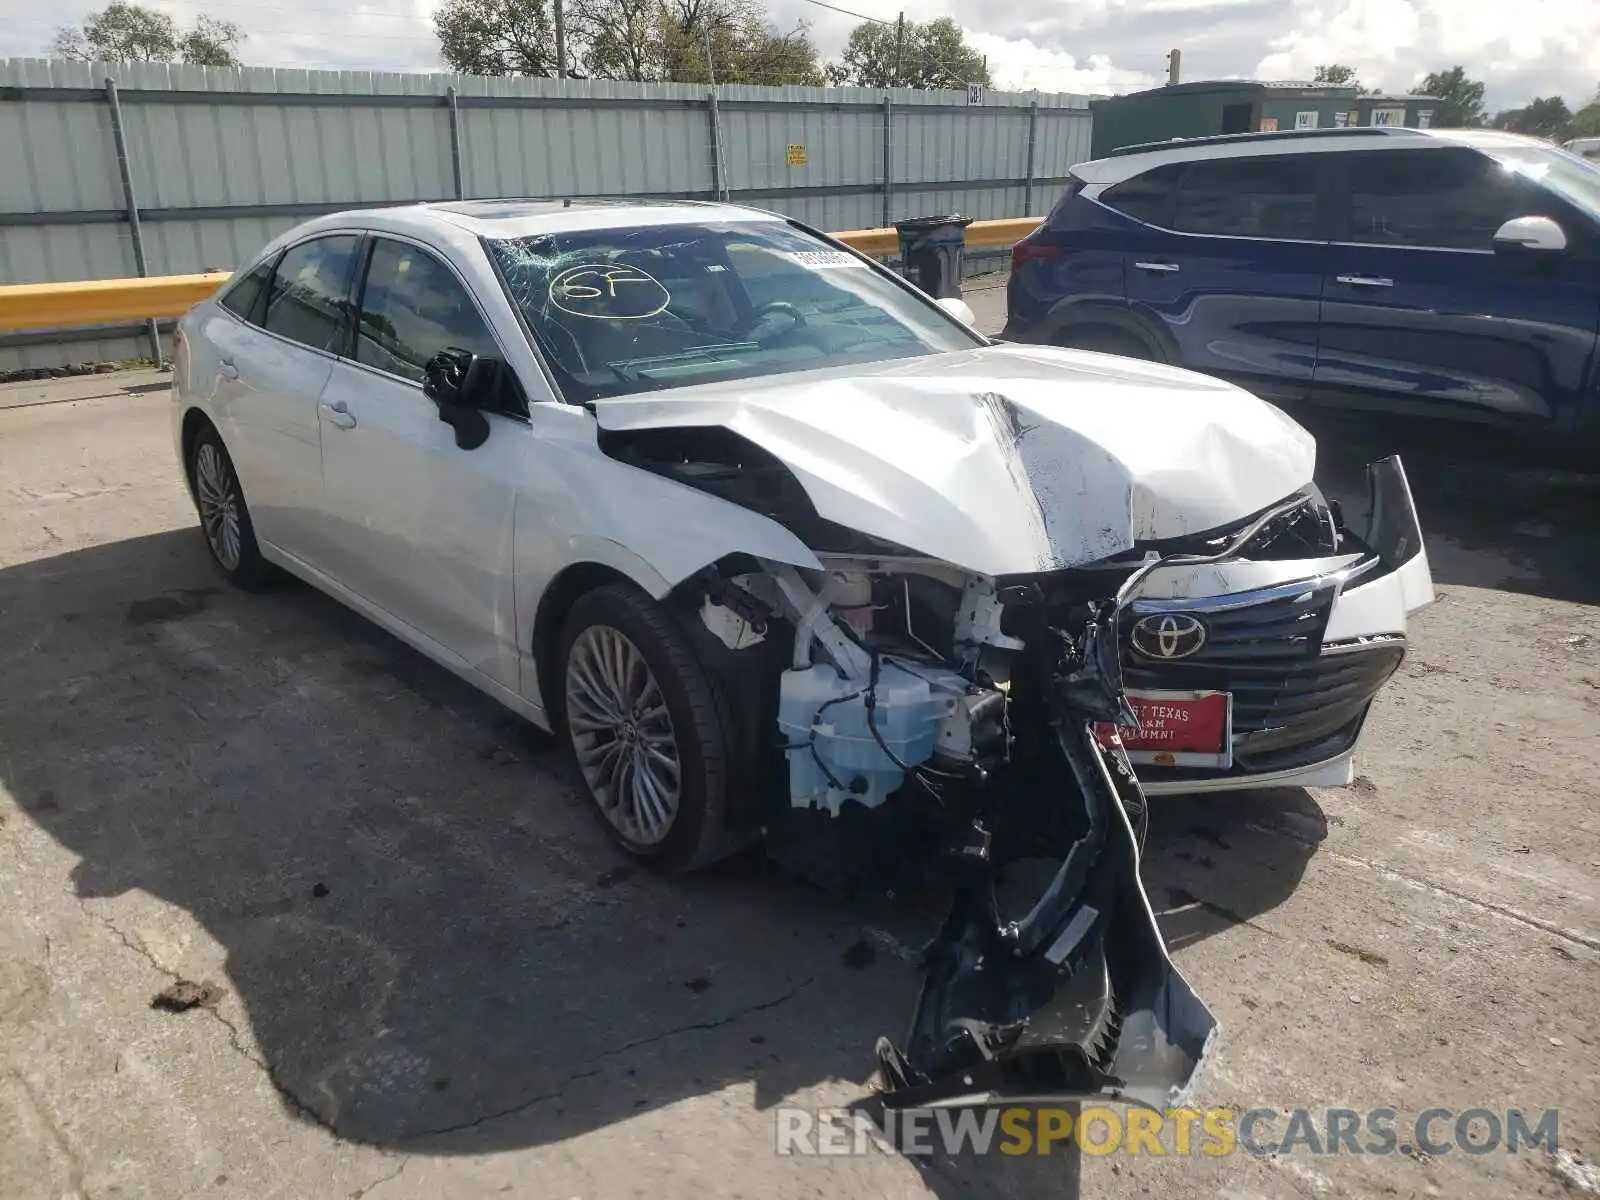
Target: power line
{"points": [[847, 12]]}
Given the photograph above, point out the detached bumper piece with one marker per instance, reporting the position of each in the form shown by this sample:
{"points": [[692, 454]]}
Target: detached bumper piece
{"points": [[1078, 1000]]}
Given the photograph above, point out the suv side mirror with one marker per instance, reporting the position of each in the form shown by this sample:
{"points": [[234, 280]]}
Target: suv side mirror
{"points": [[1536, 234], [460, 383]]}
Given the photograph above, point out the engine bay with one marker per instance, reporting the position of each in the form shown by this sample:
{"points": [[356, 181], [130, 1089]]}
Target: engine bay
{"points": [[972, 724]]}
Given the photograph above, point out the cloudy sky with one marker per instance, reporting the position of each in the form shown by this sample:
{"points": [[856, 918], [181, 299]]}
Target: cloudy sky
{"points": [[1520, 48]]}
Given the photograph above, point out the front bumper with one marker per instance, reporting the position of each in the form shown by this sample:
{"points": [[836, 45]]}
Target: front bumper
{"points": [[1303, 646]]}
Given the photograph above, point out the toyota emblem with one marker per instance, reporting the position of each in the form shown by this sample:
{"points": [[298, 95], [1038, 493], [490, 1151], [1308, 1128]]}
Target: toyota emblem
{"points": [[1168, 635]]}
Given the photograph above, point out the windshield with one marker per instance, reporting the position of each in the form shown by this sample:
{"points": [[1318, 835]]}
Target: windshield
{"points": [[620, 311], [1574, 179]]}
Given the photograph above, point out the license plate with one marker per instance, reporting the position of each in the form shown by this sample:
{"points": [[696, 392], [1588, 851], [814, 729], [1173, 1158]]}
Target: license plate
{"points": [[1177, 729]]}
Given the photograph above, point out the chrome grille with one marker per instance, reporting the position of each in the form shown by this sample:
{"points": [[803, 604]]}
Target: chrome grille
{"points": [[1285, 623], [1268, 654]]}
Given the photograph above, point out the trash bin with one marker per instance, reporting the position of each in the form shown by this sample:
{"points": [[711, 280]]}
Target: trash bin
{"points": [[931, 250]]}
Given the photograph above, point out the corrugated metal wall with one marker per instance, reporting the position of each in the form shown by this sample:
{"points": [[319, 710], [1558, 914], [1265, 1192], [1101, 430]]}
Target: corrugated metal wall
{"points": [[220, 161]]}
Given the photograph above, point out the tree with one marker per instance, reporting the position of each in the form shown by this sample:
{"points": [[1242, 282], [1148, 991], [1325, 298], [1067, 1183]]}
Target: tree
{"points": [[123, 32], [880, 55], [624, 39], [731, 41], [496, 37], [1543, 116], [1336, 75], [1585, 122], [682, 41], [211, 43], [1462, 98]]}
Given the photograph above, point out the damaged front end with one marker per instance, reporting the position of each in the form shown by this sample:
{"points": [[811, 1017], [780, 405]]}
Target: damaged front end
{"points": [[928, 712], [948, 681], [1078, 997], [920, 696]]}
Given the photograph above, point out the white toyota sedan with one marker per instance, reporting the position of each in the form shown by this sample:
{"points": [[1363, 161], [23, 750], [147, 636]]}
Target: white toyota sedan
{"points": [[782, 546]]}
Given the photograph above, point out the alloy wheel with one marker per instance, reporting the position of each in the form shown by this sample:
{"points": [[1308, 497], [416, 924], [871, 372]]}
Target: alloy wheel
{"points": [[622, 735], [217, 498]]}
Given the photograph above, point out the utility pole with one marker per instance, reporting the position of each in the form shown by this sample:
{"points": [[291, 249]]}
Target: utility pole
{"points": [[561, 40], [899, 46], [1174, 59]]}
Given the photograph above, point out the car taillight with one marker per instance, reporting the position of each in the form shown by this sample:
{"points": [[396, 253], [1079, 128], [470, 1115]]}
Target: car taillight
{"points": [[1028, 251]]}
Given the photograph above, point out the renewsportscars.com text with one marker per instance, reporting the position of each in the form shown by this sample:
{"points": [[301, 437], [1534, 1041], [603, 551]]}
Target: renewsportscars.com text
{"points": [[1180, 1132]]}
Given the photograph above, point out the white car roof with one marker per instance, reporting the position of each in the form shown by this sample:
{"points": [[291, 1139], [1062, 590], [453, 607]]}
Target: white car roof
{"points": [[1117, 167], [515, 218]]}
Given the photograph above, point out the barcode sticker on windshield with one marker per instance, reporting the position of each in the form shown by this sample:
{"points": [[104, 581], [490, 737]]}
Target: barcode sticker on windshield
{"points": [[823, 260]]}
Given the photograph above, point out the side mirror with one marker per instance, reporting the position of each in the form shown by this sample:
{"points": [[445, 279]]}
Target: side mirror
{"points": [[460, 382], [1537, 234], [957, 308]]}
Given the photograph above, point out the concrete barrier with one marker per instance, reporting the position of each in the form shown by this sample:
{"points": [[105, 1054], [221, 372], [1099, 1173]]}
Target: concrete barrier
{"points": [[111, 301]]}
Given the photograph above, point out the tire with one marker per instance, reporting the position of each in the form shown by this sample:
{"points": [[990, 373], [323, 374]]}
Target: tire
{"points": [[230, 536], [1105, 340], [618, 632]]}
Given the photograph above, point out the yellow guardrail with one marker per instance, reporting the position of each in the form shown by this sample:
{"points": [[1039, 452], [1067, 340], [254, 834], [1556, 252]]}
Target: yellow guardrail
{"points": [[882, 242], [103, 301], [118, 301]]}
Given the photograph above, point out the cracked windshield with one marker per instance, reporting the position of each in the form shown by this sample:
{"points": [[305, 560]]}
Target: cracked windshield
{"points": [[620, 311]]}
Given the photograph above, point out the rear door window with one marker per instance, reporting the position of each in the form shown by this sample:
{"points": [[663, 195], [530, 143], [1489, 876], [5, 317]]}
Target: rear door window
{"points": [[1259, 196], [1146, 197], [307, 301], [243, 298], [1062, 201]]}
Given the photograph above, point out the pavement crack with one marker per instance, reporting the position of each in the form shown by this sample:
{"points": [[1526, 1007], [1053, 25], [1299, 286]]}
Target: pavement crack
{"points": [[362, 1192], [556, 1093], [301, 1108], [729, 1019], [235, 1037], [510, 1111], [138, 948], [1504, 911]]}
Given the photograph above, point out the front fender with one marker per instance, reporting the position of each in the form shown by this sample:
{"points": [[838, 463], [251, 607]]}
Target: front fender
{"points": [[590, 509]]}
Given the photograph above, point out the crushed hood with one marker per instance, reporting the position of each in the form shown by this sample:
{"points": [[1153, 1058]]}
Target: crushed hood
{"points": [[1005, 459]]}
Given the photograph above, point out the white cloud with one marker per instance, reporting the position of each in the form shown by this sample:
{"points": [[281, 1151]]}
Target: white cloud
{"points": [[1517, 49], [1018, 65]]}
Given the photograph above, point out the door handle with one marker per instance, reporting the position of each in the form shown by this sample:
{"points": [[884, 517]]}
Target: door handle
{"points": [[338, 414], [227, 370], [1156, 266], [1365, 280]]}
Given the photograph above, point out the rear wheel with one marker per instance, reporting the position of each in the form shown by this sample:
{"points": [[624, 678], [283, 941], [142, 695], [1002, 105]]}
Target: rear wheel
{"points": [[648, 729], [1106, 340], [224, 515]]}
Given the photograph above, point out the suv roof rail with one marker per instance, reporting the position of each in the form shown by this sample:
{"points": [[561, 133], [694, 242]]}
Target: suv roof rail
{"points": [[1287, 135]]}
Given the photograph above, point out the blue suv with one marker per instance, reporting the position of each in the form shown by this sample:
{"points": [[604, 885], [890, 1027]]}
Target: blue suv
{"points": [[1450, 273]]}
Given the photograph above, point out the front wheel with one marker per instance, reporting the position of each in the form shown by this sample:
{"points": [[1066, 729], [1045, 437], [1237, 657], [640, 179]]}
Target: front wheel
{"points": [[648, 729]]}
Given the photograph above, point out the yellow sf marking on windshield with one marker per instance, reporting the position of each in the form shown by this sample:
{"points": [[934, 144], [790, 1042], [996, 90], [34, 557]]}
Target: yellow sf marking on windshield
{"points": [[591, 291]]}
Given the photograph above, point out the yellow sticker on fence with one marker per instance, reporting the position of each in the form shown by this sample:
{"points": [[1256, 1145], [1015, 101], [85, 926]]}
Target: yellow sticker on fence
{"points": [[797, 154]]}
